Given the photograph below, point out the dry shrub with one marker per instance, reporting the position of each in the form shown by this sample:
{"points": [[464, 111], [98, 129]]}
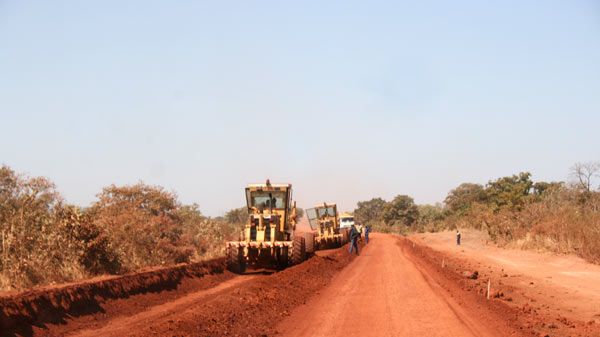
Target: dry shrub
{"points": [[562, 221], [568, 222], [35, 242], [43, 240], [142, 224]]}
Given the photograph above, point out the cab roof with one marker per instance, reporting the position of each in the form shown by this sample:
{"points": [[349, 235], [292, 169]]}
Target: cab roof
{"points": [[271, 185]]}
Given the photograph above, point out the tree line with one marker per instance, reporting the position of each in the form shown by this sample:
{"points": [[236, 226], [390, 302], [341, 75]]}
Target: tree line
{"points": [[43, 239], [557, 216]]}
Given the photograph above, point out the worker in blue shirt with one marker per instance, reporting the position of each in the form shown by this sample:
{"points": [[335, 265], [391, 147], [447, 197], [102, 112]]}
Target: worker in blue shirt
{"points": [[354, 235]]}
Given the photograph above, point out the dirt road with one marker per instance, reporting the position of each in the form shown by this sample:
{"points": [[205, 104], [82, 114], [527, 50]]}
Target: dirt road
{"points": [[558, 283], [394, 288], [383, 294]]}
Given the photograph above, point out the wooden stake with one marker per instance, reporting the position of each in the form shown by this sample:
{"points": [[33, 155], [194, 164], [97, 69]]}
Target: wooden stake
{"points": [[443, 263], [488, 289]]}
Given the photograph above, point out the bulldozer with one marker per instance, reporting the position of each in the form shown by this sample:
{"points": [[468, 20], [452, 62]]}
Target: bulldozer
{"points": [[267, 239], [325, 223]]}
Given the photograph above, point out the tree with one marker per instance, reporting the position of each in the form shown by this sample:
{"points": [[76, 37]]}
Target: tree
{"points": [[237, 215], [510, 192], [44, 240], [299, 213], [206, 234], [431, 213], [541, 188], [95, 252], [583, 173], [143, 224], [369, 211], [460, 199], [401, 210], [27, 224], [431, 218]]}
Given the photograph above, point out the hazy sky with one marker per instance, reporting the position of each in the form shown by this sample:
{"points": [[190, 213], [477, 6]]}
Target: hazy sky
{"points": [[346, 100]]}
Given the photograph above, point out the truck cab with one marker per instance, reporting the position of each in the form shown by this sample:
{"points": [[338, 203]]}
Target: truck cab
{"points": [[347, 220]]}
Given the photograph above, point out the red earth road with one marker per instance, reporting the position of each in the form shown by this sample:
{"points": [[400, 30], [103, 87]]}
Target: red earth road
{"points": [[392, 289], [384, 294]]}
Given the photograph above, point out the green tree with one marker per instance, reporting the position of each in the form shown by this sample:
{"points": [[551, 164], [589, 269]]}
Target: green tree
{"points": [[431, 213], [541, 187], [401, 210], [431, 218], [509, 192], [460, 199], [369, 211]]}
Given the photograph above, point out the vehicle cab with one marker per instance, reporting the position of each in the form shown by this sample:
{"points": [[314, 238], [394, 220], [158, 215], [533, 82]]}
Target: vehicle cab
{"points": [[347, 220]]}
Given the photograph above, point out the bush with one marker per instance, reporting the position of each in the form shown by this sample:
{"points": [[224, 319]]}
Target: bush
{"points": [[43, 240], [558, 221], [143, 225], [40, 238]]}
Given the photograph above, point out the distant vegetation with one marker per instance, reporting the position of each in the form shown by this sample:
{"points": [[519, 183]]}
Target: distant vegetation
{"points": [[554, 216], [45, 240]]}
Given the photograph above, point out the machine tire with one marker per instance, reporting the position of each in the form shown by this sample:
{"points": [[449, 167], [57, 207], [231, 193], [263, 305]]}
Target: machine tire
{"points": [[298, 250], [282, 258], [236, 262], [338, 242], [309, 242]]}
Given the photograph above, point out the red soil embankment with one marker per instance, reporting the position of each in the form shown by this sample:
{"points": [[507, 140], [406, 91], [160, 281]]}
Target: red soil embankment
{"points": [[21, 313]]}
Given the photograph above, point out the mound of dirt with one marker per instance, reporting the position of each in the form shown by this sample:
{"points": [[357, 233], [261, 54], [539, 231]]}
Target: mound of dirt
{"points": [[21, 313], [189, 300], [253, 308]]}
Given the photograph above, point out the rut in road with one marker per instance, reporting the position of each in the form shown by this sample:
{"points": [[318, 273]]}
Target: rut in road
{"points": [[383, 293]]}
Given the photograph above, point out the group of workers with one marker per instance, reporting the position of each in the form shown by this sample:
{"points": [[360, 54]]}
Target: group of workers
{"points": [[355, 236]]}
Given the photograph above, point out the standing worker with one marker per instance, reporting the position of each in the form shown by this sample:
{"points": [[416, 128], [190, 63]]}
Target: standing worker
{"points": [[367, 231], [457, 238], [354, 234]]}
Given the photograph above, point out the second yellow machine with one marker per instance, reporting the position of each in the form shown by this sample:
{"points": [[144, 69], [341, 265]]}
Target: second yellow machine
{"points": [[325, 223]]}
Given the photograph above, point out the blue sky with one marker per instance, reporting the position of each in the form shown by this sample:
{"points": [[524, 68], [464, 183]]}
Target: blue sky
{"points": [[347, 100]]}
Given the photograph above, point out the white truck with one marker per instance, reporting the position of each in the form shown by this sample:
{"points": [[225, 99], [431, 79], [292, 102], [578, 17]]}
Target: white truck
{"points": [[347, 220]]}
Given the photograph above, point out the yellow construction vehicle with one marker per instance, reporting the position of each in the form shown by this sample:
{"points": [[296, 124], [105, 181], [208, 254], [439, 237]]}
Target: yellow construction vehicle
{"points": [[325, 223], [267, 239]]}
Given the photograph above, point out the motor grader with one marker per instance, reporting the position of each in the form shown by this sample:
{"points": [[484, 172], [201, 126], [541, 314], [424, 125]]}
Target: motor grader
{"points": [[267, 239], [325, 223]]}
